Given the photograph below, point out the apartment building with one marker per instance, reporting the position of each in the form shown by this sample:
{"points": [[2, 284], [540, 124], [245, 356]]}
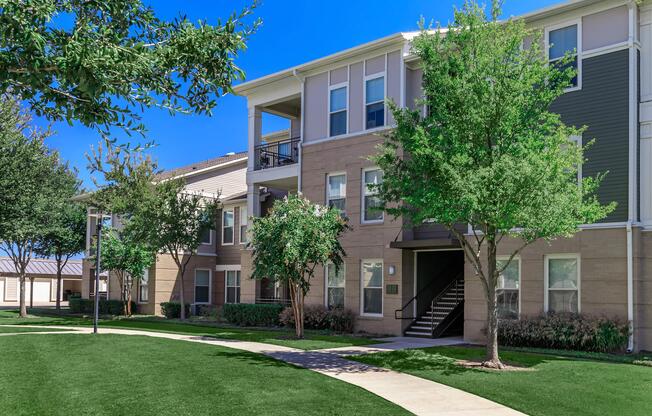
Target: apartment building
{"points": [[212, 277], [414, 280]]}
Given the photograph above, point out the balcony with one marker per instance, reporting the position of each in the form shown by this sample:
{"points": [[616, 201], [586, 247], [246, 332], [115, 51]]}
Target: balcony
{"points": [[276, 154]]}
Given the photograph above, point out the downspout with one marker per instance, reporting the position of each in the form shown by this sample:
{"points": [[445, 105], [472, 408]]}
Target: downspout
{"points": [[632, 173], [301, 79]]}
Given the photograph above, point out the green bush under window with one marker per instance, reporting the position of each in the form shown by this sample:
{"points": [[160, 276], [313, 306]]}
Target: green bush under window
{"points": [[566, 331], [249, 314], [172, 310]]}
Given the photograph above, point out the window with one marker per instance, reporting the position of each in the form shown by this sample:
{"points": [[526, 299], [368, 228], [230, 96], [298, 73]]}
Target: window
{"points": [[232, 286], [370, 200], [334, 286], [243, 225], [206, 236], [336, 191], [372, 287], [143, 288], [227, 227], [561, 41], [202, 286], [375, 102], [507, 289], [337, 111], [562, 283]]}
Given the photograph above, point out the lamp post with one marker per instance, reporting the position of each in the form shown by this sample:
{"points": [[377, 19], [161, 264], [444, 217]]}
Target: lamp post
{"points": [[97, 274]]}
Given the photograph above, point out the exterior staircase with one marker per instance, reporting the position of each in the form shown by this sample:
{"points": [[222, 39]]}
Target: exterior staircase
{"points": [[443, 310]]}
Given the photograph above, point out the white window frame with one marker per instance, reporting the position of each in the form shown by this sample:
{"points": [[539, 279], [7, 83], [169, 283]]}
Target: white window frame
{"points": [[382, 288], [326, 286], [328, 176], [210, 287], [546, 40], [364, 98], [344, 84], [140, 285], [226, 287], [232, 211], [246, 218], [546, 271], [363, 194], [210, 239], [520, 279]]}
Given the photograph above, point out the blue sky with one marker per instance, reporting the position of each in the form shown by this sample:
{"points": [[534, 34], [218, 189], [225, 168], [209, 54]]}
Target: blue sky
{"points": [[292, 32]]}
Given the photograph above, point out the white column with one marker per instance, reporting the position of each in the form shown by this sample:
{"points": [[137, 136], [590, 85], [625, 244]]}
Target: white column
{"points": [[254, 134], [645, 19]]}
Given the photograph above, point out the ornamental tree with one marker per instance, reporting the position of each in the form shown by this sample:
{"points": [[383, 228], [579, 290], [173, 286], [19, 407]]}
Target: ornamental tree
{"points": [[291, 241], [101, 62], [159, 214], [128, 259], [65, 229], [488, 153], [28, 173]]}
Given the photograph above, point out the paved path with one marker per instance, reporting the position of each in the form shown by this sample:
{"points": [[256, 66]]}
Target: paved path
{"points": [[417, 395]]}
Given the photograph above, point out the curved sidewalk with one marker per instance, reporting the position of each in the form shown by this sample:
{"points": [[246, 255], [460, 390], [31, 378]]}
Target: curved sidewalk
{"points": [[417, 395]]}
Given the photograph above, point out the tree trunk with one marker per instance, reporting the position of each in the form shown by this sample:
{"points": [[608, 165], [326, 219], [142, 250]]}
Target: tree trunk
{"points": [[182, 271], [492, 358], [31, 292], [23, 307], [58, 295], [297, 309], [129, 301]]}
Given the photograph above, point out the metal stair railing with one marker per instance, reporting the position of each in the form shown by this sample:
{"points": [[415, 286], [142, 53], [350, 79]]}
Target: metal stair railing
{"points": [[452, 286], [444, 272]]}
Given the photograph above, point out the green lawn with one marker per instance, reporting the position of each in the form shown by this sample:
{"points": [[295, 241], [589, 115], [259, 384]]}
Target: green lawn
{"points": [[131, 375], [548, 386], [17, 329], [313, 339]]}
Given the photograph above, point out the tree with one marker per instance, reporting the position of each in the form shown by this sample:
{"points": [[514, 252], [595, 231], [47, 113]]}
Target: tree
{"points": [[65, 231], [291, 241], [159, 213], [96, 62], [28, 171], [128, 259], [489, 152]]}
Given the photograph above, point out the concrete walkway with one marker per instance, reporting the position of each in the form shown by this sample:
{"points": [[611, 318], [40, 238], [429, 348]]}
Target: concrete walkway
{"points": [[417, 395]]}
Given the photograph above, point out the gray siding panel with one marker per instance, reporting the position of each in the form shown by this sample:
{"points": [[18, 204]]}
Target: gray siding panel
{"points": [[355, 98], [316, 111], [602, 106]]}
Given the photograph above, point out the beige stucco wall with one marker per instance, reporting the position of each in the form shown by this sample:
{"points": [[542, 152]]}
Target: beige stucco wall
{"points": [[364, 241]]}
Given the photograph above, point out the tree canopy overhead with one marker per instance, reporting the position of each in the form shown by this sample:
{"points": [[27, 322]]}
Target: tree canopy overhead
{"points": [[488, 152], [100, 62]]}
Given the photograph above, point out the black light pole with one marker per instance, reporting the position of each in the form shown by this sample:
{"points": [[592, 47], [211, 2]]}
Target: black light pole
{"points": [[97, 276]]}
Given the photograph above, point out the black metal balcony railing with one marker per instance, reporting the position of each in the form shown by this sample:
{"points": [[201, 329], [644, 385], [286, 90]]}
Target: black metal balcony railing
{"points": [[272, 155]]}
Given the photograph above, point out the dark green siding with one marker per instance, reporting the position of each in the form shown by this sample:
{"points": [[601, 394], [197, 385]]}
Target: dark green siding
{"points": [[602, 106]]}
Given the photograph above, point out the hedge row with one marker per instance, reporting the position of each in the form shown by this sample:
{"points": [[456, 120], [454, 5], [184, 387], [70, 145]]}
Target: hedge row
{"points": [[250, 314], [565, 331], [107, 307], [172, 310], [319, 317]]}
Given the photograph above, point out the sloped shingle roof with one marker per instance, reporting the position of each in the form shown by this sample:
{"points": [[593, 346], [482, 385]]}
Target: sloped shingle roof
{"points": [[201, 165]]}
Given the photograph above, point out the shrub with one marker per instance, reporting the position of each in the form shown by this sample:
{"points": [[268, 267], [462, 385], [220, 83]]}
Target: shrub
{"points": [[172, 310], [565, 331], [107, 307], [318, 317], [249, 314], [341, 320]]}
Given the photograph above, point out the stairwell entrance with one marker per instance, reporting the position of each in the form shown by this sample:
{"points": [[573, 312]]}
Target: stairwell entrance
{"points": [[438, 307]]}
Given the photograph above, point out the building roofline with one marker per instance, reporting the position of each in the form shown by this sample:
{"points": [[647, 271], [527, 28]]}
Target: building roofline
{"points": [[243, 88]]}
